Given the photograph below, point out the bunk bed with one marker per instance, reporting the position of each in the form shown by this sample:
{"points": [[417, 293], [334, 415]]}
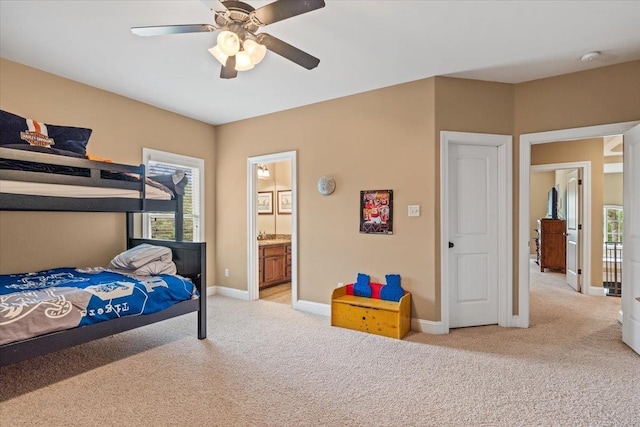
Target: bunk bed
{"points": [[33, 181]]}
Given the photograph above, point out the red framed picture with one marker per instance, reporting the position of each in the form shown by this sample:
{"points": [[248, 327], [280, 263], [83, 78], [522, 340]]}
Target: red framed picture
{"points": [[376, 211]]}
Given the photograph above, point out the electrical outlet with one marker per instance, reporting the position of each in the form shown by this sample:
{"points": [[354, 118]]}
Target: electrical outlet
{"points": [[226, 272], [414, 210]]}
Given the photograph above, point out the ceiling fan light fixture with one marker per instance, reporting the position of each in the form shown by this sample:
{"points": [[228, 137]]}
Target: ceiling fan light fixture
{"points": [[238, 46], [229, 42], [255, 50], [217, 53], [243, 61]]}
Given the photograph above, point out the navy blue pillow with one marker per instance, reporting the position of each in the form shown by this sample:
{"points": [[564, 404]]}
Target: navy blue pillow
{"points": [[16, 130]]}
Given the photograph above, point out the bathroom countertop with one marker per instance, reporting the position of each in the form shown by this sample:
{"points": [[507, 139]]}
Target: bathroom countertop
{"points": [[273, 242]]}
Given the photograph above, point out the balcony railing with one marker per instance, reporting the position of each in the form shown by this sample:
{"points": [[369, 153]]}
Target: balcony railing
{"points": [[612, 268]]}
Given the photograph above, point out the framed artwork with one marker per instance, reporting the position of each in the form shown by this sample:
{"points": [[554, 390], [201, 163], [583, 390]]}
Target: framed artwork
{"points": [[265, 202], [284, 202], [376, 211]]}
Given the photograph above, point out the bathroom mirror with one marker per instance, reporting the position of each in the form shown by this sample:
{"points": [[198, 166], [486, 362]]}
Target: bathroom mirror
{"points": [[276, 178]]}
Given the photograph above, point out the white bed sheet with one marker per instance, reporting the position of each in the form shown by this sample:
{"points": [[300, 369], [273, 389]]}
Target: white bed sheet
{"points": [[59, 190]]}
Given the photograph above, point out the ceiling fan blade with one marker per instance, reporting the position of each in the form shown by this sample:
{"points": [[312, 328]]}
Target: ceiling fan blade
{"points": [[161, 30], [287, 51], [215, 5], [228, 70], [283, 9]]}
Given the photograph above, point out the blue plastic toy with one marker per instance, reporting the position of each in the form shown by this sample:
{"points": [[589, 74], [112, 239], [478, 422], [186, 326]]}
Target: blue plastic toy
{"points": [[362, 288], [392, 291]]}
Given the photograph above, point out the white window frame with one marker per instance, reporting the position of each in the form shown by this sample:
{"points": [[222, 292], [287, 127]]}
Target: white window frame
{"points": [[606, 221], [149, 154]]}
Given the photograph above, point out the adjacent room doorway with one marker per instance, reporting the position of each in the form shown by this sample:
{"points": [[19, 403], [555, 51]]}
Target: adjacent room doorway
{"points": [[265, 207], [577, 214], [631, 265]]}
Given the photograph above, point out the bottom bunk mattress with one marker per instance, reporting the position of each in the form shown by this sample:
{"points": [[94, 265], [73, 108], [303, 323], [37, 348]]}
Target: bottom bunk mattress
{"points": [[33, 304]]}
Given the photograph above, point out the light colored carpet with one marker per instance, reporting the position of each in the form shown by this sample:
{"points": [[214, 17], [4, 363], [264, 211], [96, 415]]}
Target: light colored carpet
{"points": [[265, 364]]}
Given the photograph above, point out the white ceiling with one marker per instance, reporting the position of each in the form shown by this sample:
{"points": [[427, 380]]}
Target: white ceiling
{"points": [[362, 45]]}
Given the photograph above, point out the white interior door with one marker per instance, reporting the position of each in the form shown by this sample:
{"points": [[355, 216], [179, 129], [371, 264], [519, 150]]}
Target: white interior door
{"points": [[473, 232], [573, 235], [631, 241]]}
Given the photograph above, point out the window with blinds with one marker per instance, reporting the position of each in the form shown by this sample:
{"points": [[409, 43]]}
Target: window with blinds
{"points": [[160, 225]]}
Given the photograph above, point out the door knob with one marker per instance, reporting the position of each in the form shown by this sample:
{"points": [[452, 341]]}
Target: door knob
{"points": [[451, 245]]}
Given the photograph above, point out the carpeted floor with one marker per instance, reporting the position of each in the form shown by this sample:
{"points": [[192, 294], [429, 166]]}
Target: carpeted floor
{"points": [[265, 364]]}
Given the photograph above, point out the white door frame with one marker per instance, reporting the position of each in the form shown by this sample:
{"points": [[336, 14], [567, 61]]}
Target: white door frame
{"points": [[505, 229], [585, 238], [252, 222], [526, 140]]}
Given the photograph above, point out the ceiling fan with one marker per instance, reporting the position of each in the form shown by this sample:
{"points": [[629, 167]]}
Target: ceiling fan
{"points": [[238, 47]]}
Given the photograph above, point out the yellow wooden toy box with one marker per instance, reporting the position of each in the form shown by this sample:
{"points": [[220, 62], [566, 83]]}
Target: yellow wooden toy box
{"points": [[375, 316]]}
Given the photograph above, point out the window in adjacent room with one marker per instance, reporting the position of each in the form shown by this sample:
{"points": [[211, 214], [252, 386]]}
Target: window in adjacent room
{"points": [[160, 225], [613, 223]]}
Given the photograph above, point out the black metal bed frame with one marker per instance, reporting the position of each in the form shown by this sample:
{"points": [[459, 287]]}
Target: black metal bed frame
{"points": [[189, 257]]}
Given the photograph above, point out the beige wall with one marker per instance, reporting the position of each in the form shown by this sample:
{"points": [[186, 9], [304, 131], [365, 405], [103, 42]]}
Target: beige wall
{"points": [[121, 128], [589, 98], [466, 106], [613, 159], [540, 184], [387, 138], [581, 151], [612, 190], [382, 139]]}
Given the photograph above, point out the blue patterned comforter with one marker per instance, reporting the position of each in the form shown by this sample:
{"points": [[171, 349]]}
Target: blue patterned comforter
{"points": [[33, 304]]}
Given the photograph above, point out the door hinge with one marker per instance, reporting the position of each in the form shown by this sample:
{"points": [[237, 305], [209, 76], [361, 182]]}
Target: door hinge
{"points": [[579, 182], [579, 271], [579, 226]]}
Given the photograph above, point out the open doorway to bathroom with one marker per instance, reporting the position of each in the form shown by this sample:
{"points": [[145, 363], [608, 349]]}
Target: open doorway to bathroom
{"points": [[272, 244], [274, 231]]}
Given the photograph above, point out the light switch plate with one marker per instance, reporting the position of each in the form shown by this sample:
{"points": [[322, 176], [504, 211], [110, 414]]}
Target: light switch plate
{"points": [[414, 210]]}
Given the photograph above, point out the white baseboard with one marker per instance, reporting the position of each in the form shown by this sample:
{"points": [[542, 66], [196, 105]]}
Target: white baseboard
{"points": [[417, 325], [313, 307], [597, 291], [230, 292], [428, 326], [517, 322]]}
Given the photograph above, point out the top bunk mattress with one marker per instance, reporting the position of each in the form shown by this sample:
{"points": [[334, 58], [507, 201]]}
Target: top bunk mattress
{"points": [[59, 190], [24, 172]]}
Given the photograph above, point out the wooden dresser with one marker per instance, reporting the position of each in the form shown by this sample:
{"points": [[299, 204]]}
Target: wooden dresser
{"points": [[274, 264], [551, 244]]}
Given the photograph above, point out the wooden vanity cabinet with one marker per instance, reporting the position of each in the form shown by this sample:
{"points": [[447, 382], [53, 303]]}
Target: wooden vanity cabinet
{"points": [[274, 264], [287, 262]]}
